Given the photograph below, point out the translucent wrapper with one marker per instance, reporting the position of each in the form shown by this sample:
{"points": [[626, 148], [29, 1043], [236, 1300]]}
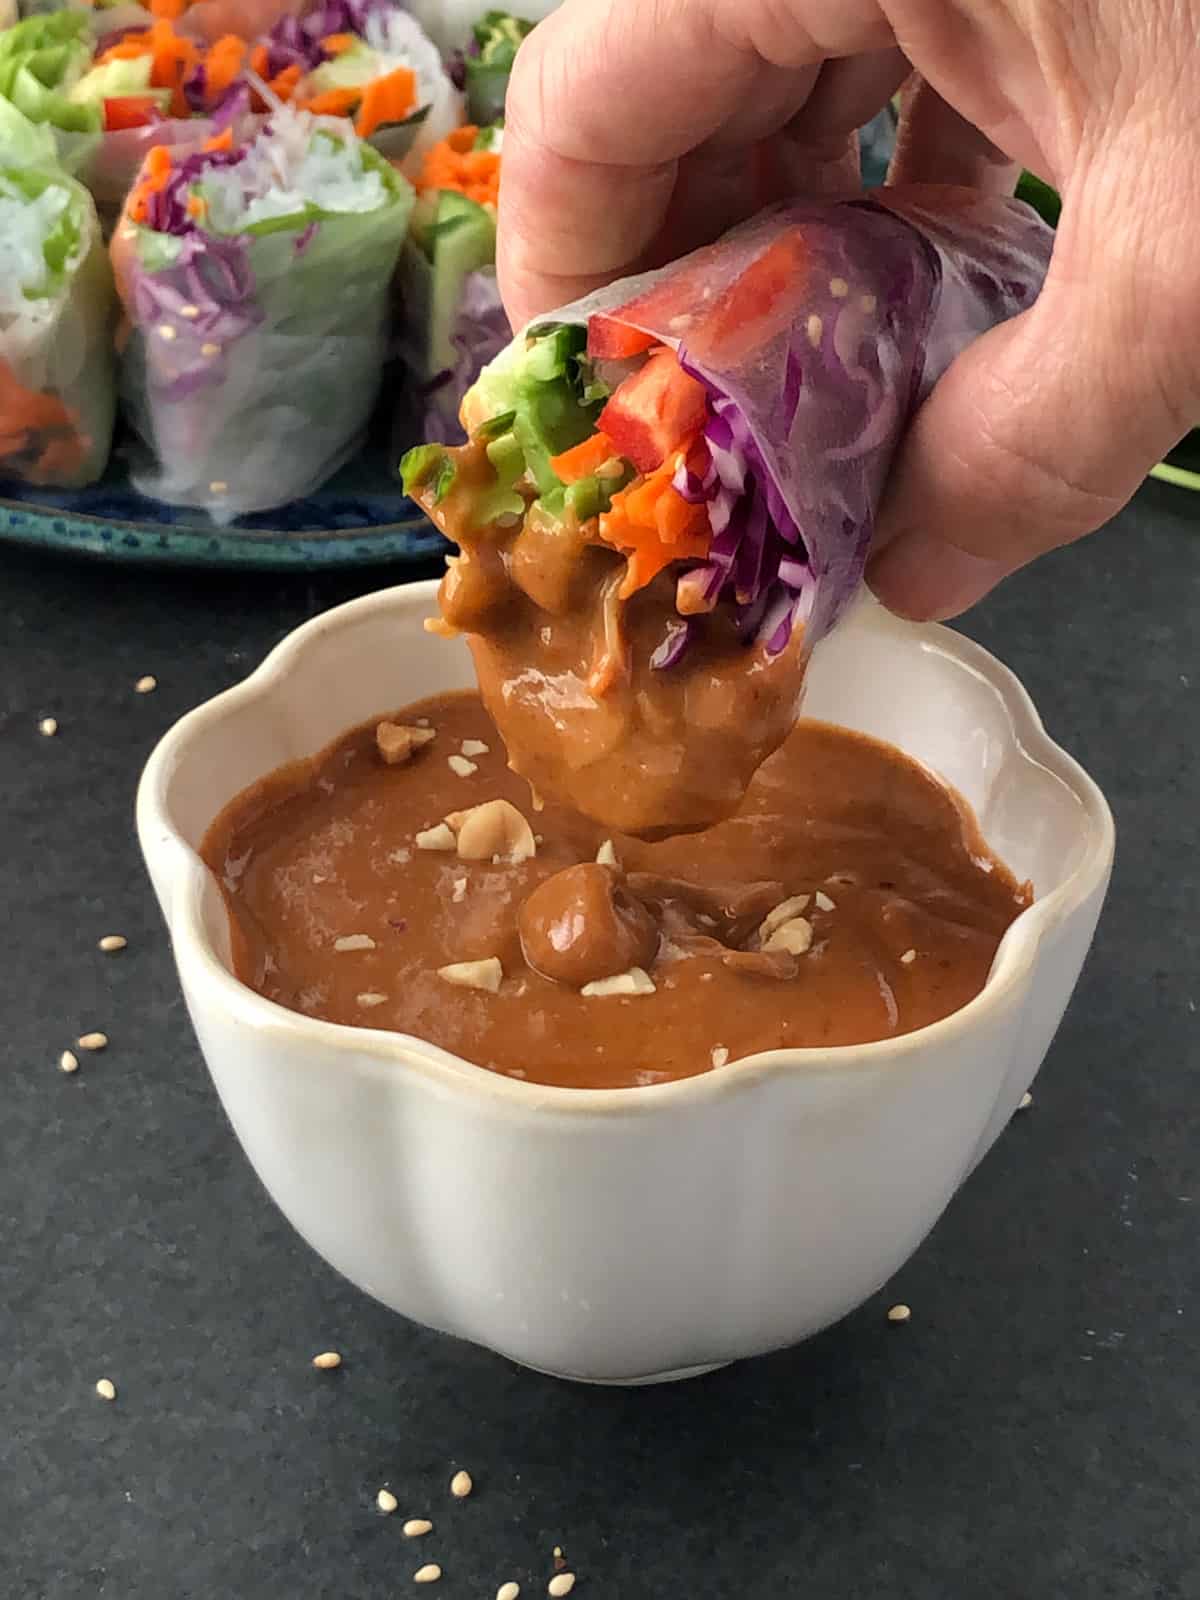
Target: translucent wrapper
{"points": [[479, 332], [251, 362], [56, 368], [817, 330]]}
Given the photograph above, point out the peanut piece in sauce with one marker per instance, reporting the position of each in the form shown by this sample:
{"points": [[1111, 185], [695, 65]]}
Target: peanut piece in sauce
{"points": [[583, 924]]}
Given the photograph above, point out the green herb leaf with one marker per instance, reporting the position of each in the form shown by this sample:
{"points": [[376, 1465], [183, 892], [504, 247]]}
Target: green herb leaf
{"points": [[419, 464], [495, 426]]}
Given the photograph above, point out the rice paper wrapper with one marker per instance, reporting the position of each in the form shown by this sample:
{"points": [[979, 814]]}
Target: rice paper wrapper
{"points": [[819, 328], [259, 398], [480, 332], [57, 382]]}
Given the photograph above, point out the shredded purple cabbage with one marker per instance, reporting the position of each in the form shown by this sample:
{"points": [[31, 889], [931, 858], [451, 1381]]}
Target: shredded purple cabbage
{"points": [[296, 41], [195, 88], [481, 331], [208, 295]]}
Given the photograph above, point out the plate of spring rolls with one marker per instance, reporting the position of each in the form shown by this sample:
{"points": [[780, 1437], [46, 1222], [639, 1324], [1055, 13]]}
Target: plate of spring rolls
{"points": [[248, 259]]}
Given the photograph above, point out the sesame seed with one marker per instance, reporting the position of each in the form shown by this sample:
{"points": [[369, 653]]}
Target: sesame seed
{"points": [[386, 1501], [371, 998], [92, 1041], [562, 1583], [327, 1361], [112, 942], [868, 303], [146, 685], [508, 1591], [217, 486], [461, 1485], [909, 957], [899, 1313], [208, 348], [48, 727], [815, 329], [461, 766], [720, 1056], [839, 288], [106, 1389], [68, 1061], [1026, 1101], [417, 1527], [427, 1574], [190, 312], [353, 941], [166, 331]]}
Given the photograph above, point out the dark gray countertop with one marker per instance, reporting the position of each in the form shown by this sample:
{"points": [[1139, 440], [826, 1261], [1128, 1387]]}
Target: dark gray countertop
{"points": [[1032, 1432]]}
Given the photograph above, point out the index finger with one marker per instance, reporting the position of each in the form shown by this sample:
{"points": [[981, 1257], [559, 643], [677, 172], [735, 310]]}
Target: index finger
{"points": [[605, 101]]}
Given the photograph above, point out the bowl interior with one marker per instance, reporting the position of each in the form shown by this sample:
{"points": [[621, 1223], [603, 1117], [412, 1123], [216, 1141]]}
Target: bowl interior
{"points": [[933, 693], [947, 702]]}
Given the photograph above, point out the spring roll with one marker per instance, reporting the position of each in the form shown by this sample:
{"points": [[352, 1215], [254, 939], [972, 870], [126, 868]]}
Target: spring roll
{"points": [[255, 282], [669, 490], [488, 60], [56, 310]]}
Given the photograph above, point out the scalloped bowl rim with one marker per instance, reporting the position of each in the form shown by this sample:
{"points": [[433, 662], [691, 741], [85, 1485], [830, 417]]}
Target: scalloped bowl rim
{"points": [[374, 1051]]}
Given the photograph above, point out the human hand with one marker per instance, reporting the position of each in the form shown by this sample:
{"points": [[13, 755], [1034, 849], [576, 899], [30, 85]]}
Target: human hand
{"points": [[635, 131]]}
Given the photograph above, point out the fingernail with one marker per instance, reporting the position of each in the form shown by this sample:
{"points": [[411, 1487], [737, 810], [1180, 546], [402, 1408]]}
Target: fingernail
{"points": [[922, 578]]}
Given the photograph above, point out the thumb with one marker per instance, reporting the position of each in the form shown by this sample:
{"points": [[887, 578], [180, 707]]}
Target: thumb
{"points": [[1041, 430]]}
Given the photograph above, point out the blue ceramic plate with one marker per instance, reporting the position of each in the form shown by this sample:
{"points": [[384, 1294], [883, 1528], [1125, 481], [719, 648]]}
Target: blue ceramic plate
{"points": [[359, 517]]}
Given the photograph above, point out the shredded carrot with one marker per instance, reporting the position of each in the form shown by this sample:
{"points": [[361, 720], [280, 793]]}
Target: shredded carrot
{"points": [[219, 141], [386, 100], [284, 84], [223, 65], [195, 206], [336, 44], [583, 459], [131, 48], [155, 172], [33, 420], [654, 525], [456, 164], [260, 61], [333, 103], [167, 10]]}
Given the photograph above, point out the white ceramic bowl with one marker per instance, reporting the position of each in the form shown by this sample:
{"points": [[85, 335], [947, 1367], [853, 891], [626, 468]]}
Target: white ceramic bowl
{"points": [[628, 1235]]}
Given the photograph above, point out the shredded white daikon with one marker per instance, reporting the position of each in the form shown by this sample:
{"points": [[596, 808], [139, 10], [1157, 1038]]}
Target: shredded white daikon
{"points": [[300, 161]]}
